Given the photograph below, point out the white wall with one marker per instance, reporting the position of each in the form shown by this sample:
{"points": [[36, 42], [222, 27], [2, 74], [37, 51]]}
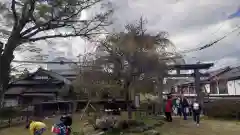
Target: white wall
{"points": [[10, 102], [231, 87], [234, 87], [207, 87], [237, 87], [59, 67]]}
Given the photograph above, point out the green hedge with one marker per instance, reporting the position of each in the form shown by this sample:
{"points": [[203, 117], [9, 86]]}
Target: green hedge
{"points": [[226, 109], [9, 112]]}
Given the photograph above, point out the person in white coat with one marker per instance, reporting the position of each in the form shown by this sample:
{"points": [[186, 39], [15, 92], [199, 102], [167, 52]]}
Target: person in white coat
{"points": [[196, 109]]}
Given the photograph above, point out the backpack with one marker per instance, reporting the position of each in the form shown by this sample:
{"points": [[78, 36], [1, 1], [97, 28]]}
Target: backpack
{"points": [[60, 129], [177, 101], [196, 106]]}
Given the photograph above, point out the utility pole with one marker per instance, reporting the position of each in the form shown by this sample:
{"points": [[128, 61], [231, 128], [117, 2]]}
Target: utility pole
{"points": [[197, 85]]}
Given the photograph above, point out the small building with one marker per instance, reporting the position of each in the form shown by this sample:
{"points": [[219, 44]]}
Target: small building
{"points": [[66, 70], [223, 82], [226, 83], [40, 86]]}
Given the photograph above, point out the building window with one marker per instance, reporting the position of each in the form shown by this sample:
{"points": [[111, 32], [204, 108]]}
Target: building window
{"points": [[192, 90], [222, 86], [213, 88], [122, 93], [93, 94]]}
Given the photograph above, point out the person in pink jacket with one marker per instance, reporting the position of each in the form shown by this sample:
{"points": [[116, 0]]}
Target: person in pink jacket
{"points": [[168, 109]]}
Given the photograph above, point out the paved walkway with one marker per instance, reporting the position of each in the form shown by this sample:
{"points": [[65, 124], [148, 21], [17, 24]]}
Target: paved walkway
{"points": [[207, 127]]}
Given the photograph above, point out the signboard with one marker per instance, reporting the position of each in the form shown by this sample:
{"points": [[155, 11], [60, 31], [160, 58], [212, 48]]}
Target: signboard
{"points": [[44, 0], [41, 77], [137, 101]]}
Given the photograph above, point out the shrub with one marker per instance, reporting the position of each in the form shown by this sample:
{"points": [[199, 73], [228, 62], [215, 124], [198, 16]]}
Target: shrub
{"points": [[125, 124], [79, 133], [227, 109], [92, 120], [9, 112]]}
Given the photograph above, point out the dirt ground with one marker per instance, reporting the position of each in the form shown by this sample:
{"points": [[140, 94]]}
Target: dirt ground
{"points": [[207, 127], [177, 127]]}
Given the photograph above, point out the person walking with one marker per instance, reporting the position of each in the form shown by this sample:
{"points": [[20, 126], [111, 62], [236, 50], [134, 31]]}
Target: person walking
{"points": [[178, 106], [184, 107], [196, 108], [190, 108], [174, 106], [168, 109]]}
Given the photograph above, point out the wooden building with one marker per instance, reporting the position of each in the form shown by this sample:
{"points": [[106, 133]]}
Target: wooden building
{"points": [[40, 86], [65, 69], [222, 83]]}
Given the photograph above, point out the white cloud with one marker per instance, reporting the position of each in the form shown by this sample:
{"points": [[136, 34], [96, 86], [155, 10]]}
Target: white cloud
{"points": [[190, 23], [197, 37], [224, 62]]}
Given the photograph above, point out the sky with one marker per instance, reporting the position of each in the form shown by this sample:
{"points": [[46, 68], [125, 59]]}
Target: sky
{"points": [[190, 24]]}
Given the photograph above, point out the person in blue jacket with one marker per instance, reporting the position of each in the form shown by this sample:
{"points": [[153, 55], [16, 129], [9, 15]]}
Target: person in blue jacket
{"points": [[184, 107]]}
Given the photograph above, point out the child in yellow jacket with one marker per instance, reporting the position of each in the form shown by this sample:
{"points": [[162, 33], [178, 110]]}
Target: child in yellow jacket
{"points": [[36, 127]]}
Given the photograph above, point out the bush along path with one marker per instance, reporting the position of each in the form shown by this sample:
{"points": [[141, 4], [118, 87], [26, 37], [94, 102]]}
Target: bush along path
{"points": [[144, 126]]}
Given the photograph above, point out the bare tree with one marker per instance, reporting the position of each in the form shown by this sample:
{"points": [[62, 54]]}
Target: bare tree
{"points": [[94, 79], [29, 21], [135, 55], [132, 59]]}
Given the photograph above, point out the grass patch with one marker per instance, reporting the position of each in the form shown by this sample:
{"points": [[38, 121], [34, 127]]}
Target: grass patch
{"points": [[113, 132]]}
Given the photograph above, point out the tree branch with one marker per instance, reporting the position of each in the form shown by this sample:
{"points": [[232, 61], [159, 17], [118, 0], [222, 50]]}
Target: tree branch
{"points": [[83, 8], [31, 10], [58, 19], [13, 8], [33, 33], [60, 22], [59, 36]]}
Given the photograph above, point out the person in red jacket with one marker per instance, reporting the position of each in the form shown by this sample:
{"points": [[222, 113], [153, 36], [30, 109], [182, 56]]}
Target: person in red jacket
{"points": [[168, 108]]}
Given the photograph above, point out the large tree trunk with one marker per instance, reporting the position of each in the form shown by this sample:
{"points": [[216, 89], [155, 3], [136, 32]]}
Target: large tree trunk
{"points": [[159, 91], [6, 58], [127, 96], [2, 99]]}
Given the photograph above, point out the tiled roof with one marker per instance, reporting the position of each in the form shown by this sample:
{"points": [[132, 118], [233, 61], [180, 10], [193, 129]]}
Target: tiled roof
{"points": [[20, 86], [218, 72], [52, 74], [39, 94], [61, 59], [21, 90], [227, 73], [232, 74], [15, 90]]}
